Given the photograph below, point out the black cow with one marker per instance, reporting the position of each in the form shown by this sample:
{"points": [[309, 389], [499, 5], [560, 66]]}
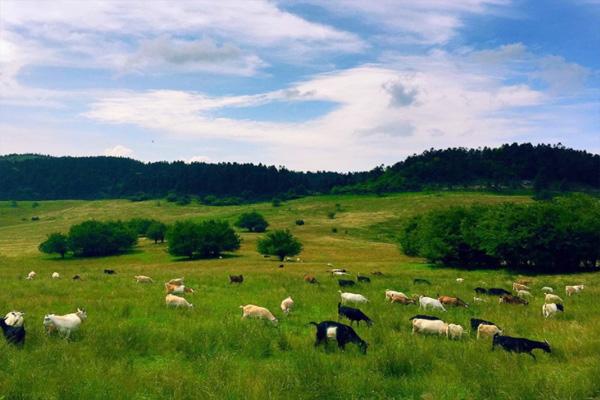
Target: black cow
{"points": [[353, 314], [520, 345], [13, 334], [420, 280], [475, 322], [343, 334], [365, 279], [423, 316], [345, 282]]}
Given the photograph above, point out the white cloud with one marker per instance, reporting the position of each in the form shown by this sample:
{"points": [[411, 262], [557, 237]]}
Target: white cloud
{"points": [[118, 151]]}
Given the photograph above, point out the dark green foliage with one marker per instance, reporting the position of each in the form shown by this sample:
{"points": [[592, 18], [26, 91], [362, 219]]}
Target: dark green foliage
{"points": [[171, 197], [299, 222], [276, 202], [94, 238], [334, 230], [211, 200], [13, 204], [331, 214], [156, 231], [140, 225], [204, 240], [252, 221], [35, 204], [183, 200], [279, 243], [55, 243], [555, 236]]}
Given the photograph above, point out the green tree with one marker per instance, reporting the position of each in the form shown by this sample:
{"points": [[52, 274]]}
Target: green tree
{"points": [[156, 231], [252, 221], [55, 243], [94, 238], [205, 239], [276, 202], [279, 243]]}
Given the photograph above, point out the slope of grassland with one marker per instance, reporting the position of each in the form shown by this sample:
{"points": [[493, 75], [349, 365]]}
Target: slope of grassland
{"points": [[132, 347]]}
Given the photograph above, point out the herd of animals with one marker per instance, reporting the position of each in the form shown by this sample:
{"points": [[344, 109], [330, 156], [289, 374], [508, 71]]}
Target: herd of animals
{"points": [[14, 331]]}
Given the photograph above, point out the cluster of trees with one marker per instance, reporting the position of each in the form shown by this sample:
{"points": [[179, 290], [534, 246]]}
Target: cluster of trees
{"points": [[44, 177], [150, 228], [205, 239], [561, 235], [541, 167]]}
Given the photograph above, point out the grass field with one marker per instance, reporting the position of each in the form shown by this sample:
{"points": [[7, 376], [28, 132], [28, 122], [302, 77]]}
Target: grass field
{"points": [[133, 347]]}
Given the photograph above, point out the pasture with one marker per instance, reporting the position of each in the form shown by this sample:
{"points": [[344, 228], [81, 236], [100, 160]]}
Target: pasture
{"points": [[133, 347]]}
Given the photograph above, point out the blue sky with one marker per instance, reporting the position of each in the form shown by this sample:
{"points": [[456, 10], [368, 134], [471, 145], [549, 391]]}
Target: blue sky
{"points": [[337, 85]]}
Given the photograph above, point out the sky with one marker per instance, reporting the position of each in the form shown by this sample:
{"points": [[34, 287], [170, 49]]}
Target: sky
{"points": [[341, 85]]}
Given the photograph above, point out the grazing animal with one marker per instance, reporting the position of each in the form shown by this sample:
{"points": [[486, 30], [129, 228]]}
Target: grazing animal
{"points": [[402, 299], [420, 280], [339, 273], [547, 289], [334, 270], [31, 275], [428, 326], [480, 290], [523, 281], [435, 304], [55, 275], [110, 271], [377, 273], [175, 301], [343, 334], [489, 330], [552, 298], [236, 278], [510, 299], [460, 280], [454, 331], [286, 305], [280, 265], [550, 309], [176, 281], [479, 300], [452, 301], [253, 311], [348, 297], [353, 314], [520, 345], [65, 324], [76, 277], [177, 289], [143, 279], [14, 318], [13, 333], [475, 322], [524, 293], [571, 290], [310, 279], [497, 292], [345, 282], [423, 316], [364, 279], [518, 286], [390, 293]]}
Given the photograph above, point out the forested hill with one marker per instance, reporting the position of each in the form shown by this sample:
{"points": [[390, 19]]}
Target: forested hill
{"points": [[38, 177], [510, 166]]}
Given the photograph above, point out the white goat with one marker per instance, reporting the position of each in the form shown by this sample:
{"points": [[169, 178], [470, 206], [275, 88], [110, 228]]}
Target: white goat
{"points": [[552, 298], [55, 275], [287, 304], [175, 301], [432, 327], [65, 324], [14, 318], [570, 290], [250, 310], [435, 304], [348, 297], [31, 275], [549, 310], [547, 289]]}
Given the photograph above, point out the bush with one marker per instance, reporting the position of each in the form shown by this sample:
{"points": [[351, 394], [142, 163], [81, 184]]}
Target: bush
{"points": [[203, 240], [183, 200], [299, 222], [555, 236], [140, 225], [171, 197], [279, 243], [276, 202], [35, 204], [95, 238], [252, 221], [156, 231], [331, 214], [55, 243]]}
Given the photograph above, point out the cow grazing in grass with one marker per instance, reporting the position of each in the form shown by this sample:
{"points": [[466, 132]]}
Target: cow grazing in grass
{"points": [[55, 275], [518, 286], [402, 299], [353, 314], [343, 334], [31, 275], [520, 345]]}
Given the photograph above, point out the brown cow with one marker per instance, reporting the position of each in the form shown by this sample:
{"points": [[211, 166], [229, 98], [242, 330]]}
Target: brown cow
{"points": [[452, 301], [510, 299], [310, 279]]}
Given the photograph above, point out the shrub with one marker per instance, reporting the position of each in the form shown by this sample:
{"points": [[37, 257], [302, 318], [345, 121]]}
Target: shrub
{"points": [[276, 202], [205, 239], [171, 197], [279, 243], [299, 222], [55, 243], [252, 221], [183, 200], [94, 238]]}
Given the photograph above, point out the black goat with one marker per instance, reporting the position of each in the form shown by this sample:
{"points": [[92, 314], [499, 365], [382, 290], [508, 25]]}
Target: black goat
{"points": [[110, 271], [236, 278], [498, 292], [353, 314], [343, 334], [520, 345], [480, 290], [13, 334], [475, 322], [365, 279], [76, 277], [423, 316], [420, 280], [345, 282]]}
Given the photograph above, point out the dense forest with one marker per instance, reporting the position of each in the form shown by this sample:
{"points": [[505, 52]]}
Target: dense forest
{"points": [[510, 166]]}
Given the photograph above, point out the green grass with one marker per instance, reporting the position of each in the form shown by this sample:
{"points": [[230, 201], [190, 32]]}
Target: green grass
{"points": [[132, 347]]}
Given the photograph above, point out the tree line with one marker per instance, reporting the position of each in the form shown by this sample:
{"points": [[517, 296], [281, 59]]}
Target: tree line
{"points": [[562, 235]]}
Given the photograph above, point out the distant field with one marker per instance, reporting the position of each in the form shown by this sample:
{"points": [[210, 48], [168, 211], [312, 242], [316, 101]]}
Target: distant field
{"points": [[132, 347]]}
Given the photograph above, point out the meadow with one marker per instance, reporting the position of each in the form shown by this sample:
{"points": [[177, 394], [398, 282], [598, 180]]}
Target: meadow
{"points": [[133, 347]]}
